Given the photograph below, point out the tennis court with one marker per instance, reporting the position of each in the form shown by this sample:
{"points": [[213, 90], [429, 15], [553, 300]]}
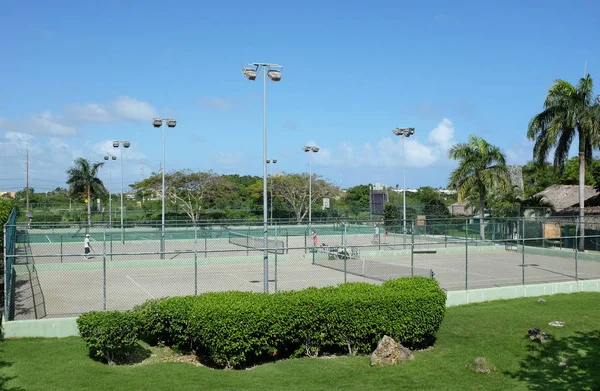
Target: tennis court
{"points": [[118, 280]]}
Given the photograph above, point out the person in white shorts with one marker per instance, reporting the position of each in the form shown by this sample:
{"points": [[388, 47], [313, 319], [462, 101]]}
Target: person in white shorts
{"points": [[87, 247]]}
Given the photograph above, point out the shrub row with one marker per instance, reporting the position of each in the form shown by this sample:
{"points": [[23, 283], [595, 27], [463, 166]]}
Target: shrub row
{"points": [[238, 329]]}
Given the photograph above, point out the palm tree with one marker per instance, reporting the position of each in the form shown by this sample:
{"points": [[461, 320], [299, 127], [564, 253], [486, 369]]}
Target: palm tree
{"points": [[481, 169], [83, 180], [569, 111]]}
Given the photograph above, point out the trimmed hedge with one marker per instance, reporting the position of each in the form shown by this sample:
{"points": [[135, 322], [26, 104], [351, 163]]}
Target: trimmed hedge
{"points": [[109, 336], [238, 329]]}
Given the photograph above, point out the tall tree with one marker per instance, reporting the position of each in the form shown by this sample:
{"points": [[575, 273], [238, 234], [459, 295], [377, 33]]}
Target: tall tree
{"points": [[294, 189], [481, 168], [569, 111], [190, 190], [83, 180]]}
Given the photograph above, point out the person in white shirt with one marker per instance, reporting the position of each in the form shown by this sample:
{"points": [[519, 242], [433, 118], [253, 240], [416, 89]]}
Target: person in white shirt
{"points": [[376, 235], [87, 247]]}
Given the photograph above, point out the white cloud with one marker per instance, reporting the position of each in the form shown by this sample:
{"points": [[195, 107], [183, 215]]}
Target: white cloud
{"points": [[75, 117], [387, 152], [92, 112], [443, 134], [132, 109], [105, 147]]}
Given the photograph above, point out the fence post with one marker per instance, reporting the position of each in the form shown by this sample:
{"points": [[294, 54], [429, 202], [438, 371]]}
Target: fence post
{"points": [[466, 254], [276, 252], [412, 248], [6, 275], [195, 260], [523, 253], [576, 251], [104, 268]]}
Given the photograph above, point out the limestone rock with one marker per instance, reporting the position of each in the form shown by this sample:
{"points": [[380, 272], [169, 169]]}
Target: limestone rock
{"points": [[556, 323], [537, 334], [541, 300], [389, 352], [481, 366]]}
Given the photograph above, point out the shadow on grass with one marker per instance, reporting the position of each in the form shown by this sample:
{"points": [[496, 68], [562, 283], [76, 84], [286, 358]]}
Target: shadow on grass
{"points": [[135, 355], [571, 363], [4, 379]]}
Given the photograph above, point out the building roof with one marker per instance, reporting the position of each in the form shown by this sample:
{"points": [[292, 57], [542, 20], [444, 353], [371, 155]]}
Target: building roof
{"points": [[566, 196]]}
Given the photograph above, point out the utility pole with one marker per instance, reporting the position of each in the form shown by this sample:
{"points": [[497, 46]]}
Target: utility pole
{"points": [[143, 177], [27, 178]]}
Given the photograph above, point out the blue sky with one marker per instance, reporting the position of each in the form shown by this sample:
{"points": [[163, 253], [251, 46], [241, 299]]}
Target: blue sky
{"points": [[76, 75]]}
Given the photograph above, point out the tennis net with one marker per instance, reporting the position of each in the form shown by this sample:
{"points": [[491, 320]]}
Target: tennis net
{"points": [[248, 241], [350, 262]]}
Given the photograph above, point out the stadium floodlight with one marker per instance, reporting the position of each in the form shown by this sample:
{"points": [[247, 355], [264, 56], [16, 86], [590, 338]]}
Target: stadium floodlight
{"points": [[405, 133], [250, 73], [273, 161], [313, 149], [124, 144], [273, 73], [158, 123], [111, 157]]}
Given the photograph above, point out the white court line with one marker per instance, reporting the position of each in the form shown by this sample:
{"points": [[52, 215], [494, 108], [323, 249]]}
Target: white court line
{"points": [[48, 239], [241, 279], [139, 286]]}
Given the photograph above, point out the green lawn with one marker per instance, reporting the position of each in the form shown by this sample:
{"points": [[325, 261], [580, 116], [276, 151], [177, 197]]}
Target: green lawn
{"points": [[496, 331]]}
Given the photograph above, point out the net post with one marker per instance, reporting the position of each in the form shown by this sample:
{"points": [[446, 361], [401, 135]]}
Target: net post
{"points": [[205, 244], [287, 243], [248, 242], [195, 260], [61, 248], [104, 269]]}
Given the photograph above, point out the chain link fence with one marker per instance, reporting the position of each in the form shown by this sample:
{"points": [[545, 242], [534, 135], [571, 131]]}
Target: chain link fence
{"points": [[52, 276]]}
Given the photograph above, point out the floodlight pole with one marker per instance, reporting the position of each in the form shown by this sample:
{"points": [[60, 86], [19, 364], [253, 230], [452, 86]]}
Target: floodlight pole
{"points": [[309, 149], [404, 132], [121, 144], [107, 158], [162, 123], [403, 193], [265, 213], [271, 161]]}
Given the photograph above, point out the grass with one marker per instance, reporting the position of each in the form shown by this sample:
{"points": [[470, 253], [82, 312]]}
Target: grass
{"points": [[496, 331]]}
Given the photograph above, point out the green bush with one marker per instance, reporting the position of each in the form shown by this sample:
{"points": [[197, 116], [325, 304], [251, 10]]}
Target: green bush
{"points": [[237, 329], [167, 321], [110, 336]]}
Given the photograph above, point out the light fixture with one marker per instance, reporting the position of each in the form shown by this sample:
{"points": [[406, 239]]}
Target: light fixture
{"points": [[250, 73]]}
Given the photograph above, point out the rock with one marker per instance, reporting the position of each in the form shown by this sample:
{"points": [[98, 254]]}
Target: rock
{"points": [[481, 366], [541, 300], [389, 352], [537, 334], [556, 323]]}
